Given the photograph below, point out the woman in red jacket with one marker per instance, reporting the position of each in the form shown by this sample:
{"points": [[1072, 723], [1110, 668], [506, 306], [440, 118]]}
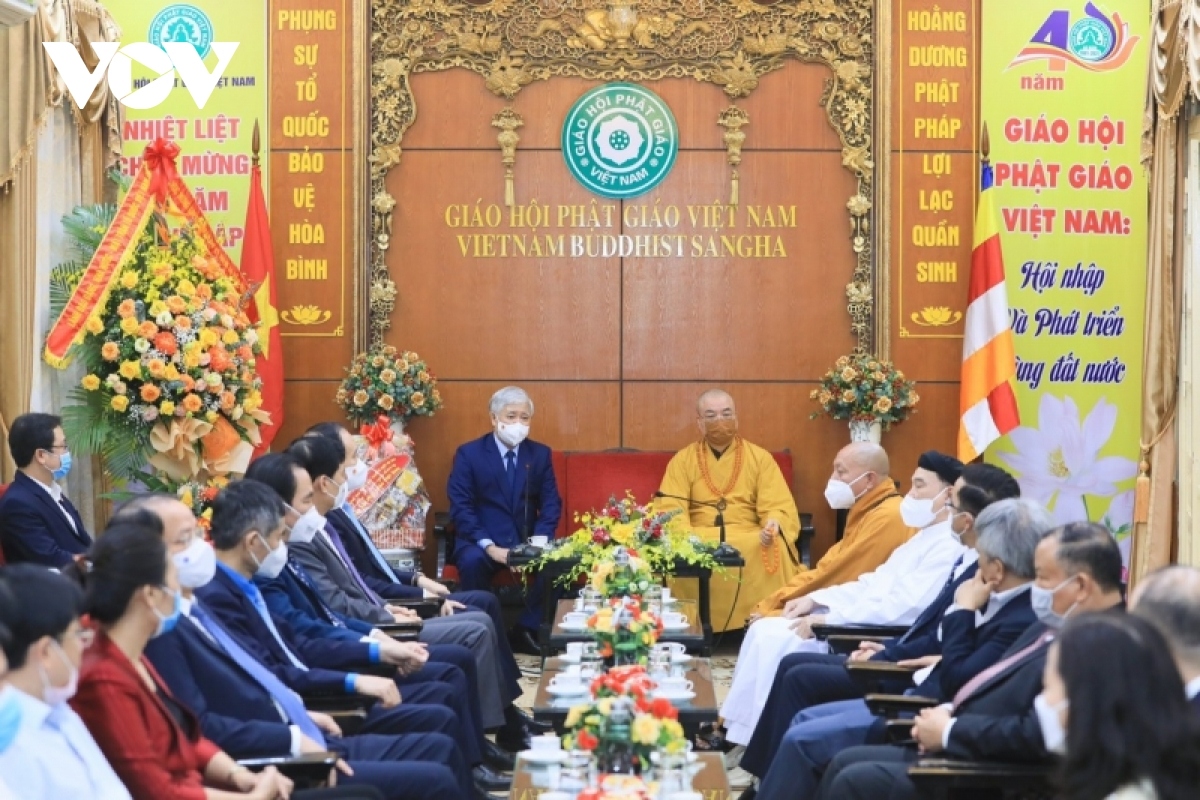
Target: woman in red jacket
{"points": [[152, 741]]}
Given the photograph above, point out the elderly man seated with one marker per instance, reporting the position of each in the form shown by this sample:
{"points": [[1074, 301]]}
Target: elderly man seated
{"points": [[1170, 598]]}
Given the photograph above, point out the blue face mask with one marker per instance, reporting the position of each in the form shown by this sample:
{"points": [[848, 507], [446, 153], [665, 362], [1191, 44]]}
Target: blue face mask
{"points": [[10, 717], [167, 623], [64, 466]]}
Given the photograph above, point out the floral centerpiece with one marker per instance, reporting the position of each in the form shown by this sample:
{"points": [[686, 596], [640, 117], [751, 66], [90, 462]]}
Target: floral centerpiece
{"points": [[386, 382], [169, 358], [660, 539], [642, 727], [624, 631], [862, 388], [623, 575]]}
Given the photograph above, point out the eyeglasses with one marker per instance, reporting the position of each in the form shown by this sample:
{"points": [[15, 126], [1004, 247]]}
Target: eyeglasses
{"points": [[65, 448]]}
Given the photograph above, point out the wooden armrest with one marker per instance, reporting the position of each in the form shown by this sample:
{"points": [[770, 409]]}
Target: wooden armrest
{"points": [[397, 629], [861, 631], [350, 721], [805, 538], [899, 731], [442, 524], [939, 776], [893, 705], [870, 674], [426, 607], [335, 702], [307, 770], [845, 645], [377, 670]]}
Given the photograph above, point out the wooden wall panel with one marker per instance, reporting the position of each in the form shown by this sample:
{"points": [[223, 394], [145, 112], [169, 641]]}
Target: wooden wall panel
{"points": [[307, 403]]}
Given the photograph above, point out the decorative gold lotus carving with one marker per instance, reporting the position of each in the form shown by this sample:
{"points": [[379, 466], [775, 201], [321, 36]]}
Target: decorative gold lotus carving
{"points": [[731, 43], [936, 316], [306, 315]]}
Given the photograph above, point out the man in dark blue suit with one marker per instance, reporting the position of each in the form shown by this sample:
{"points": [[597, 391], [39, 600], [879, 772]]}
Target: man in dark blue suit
{"points": [[247, 534], [502, 492], [1170, 599], [804, 680], [989, 613], [37, 522], [247, 711]]}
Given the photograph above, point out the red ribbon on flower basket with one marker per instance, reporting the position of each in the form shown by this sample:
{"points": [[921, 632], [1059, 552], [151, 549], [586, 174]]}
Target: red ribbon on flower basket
{"points": [[378, 432], [160, 158]]}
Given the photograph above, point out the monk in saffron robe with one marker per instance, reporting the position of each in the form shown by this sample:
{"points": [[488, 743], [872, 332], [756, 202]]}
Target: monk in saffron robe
{"points": [[760, 512]]}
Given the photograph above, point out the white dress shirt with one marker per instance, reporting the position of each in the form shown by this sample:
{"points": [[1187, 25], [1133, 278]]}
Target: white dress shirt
{"points": [[982, 616], [54, 757], [1193, 688], [56, 494], [899, 590]]}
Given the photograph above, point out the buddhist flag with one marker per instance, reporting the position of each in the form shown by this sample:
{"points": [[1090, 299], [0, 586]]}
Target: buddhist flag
{"points": [[258, 267], [987, 405]]}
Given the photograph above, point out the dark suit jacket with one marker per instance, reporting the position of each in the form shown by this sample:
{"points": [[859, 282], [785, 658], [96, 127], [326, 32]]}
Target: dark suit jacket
{"points": [[293, 597], [370, 570], [922, 638], [482, 505], [334, 582], [138, 735], [968, 650], [235, 611], [234, 710], [33, 528], [1195, 701]]}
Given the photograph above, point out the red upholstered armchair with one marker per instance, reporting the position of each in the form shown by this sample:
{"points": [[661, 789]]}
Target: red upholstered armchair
{"points": [[587, 480]]}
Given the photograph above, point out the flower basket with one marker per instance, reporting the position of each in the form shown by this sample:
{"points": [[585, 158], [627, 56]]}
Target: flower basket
{"points": [[16, 12], [386, 382], [862, 388]]}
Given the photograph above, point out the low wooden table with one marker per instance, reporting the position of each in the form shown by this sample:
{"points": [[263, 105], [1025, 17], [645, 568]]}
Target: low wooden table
{"points": [[691, 637], [530, 780], [692, 713]]}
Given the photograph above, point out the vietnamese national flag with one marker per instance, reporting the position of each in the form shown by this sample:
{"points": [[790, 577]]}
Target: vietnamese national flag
{"points": [[258, 265]]}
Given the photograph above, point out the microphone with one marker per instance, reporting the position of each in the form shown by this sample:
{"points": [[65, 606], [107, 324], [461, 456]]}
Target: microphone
{"points": [[724, 549], [525, 512]]}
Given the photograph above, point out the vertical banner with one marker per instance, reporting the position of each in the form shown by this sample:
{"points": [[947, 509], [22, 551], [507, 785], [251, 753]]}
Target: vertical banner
{"points": [[214, 141], [1063, 84]]}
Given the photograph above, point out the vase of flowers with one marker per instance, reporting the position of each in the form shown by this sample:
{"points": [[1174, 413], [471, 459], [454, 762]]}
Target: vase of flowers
{"points": [[624, 632], [387, 382], [867, 391]]}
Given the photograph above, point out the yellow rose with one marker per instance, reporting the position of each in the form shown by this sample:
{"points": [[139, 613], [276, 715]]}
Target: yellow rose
{"points": [[91, 383], [185, 288], [95, 326], [883, 405], [119, 403], [361, 398], [191, 360], [129, 279], [211, 416], [849, 374], [645, 729], [130, 370], [848, 396], [230, 337], [129, 326], [417, 400], [166, 408], [208, 337], [388, 376], [171, 373]]}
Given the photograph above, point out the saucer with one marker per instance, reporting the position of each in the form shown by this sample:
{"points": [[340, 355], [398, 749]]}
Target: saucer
{"points": [[579, 690], [568, 658], [680, 658], [683, 626], [543, 756], [692, 758], [674, 695], [574, 626]]}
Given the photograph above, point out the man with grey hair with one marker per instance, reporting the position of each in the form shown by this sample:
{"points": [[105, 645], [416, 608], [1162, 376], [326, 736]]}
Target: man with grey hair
{"points": [[502, 494], [990, 612], [1170, 599]]}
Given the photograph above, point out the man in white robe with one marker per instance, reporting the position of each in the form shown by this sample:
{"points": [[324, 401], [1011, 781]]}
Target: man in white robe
{"points": [[894, 594]]}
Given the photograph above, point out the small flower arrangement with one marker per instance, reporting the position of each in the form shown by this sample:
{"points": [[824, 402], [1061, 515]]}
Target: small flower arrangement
{"points": [[620, 577], [863, 388], [654, 724], [386, 382], [659, 539], [624, 632]]}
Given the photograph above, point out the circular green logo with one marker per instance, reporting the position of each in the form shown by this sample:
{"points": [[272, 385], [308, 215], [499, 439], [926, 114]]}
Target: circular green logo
{"points": [[620, 140], [1090, 39], [182, 23]]}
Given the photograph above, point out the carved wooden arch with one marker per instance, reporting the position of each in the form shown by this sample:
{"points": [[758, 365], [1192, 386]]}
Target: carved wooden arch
{"points": [[731, 43]]}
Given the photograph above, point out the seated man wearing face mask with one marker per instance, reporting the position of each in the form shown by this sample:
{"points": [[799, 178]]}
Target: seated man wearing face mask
{"points": [[502, 492], [849, 585]]}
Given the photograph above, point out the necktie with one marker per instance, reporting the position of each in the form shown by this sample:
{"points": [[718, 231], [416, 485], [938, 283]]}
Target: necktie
{"points": [[66, 510], [937, 601], [336, 541], [376, 556], [510, 466], [314, 596], [967, 690], [289, 701]]}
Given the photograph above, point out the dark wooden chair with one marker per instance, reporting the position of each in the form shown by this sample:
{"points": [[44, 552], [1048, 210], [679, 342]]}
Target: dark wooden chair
{"points": [[877, 632], [306, 771], [943, 779], [872, 675]]}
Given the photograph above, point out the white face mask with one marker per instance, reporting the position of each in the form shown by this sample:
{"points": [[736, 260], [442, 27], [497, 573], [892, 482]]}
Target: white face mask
{"points": [[918, 513], [512, 433], [1053, 734], [305, 529], [840, 494], [342, 493], [356, 476], [273, 564], [55, 696], [1042, 602], [196, 565]]}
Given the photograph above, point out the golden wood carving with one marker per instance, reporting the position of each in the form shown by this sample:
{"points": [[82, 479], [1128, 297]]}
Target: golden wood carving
{"points": [[731, 43], [508, 120], [733, 119]]}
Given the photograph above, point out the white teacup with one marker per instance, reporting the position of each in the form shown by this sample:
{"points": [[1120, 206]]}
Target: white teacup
{"points": [[674, 684], [673, 619], [666, 594], [575, 650], [539, 541], [671, 648], [575, 618], [546, 743]]}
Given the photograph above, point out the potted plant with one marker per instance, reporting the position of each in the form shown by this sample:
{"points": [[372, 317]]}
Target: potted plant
{"points": [[867, 391]]}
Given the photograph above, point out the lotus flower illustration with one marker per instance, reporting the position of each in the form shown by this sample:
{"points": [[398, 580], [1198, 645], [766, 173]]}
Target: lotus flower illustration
{"points": [[306, 315], [1059, 460], [619, 139]]}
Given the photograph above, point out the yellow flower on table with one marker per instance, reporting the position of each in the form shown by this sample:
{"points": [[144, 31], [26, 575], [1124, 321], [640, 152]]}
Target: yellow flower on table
{"points": [[645, 729], [575, 715]]}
